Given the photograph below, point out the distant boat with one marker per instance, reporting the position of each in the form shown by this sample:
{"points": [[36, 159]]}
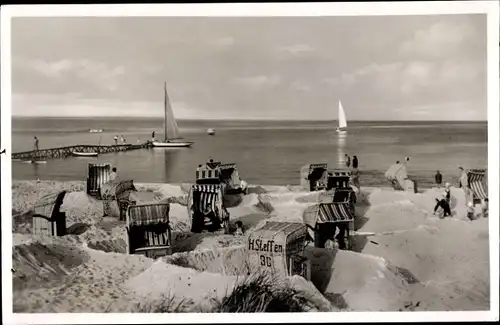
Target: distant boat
{"points": [[34, 161], [173, 137], [95, 130], [84, 154], [210, 131], [342, 128]]}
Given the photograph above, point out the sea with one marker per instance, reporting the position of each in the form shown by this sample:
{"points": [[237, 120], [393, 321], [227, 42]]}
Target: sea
{"points": [[266, 152]]}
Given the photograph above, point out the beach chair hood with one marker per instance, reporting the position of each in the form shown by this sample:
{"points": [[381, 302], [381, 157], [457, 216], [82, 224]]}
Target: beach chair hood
{"points": [[327, 213], [478, 183]]}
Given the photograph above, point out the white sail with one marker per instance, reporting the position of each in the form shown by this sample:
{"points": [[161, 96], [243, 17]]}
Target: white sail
{"points": [[171, 127], [342, 118]]}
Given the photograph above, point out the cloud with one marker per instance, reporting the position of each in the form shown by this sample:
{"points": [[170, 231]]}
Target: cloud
{"points": [[223, 42], [297, 49], [72, 104], [439, 40], [259, 81], [300, 86], [95, 72]]}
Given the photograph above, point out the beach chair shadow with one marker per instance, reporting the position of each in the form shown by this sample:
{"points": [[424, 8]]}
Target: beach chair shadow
{"points": [[77, 228], [47, 219], [322, 260]]}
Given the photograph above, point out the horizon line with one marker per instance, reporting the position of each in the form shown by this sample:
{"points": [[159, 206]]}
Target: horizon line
{"points": [[236, 119]]}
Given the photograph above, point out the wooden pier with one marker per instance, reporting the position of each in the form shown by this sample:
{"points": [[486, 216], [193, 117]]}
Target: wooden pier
{"points": [[63, 152]]}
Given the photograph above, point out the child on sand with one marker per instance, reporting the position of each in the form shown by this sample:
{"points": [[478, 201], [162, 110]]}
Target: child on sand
{"points": [[484, 208], [443, 204], [239, 228], [470, 211], [113, 175]]}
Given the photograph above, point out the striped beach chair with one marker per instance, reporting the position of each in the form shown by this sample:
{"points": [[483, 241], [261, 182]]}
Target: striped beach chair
{"points": [[322, 219], [148, 230], [314, 177], [338, 179], [205, 201], [116, 197], [48, 220], [478, 183], [98, 174]]}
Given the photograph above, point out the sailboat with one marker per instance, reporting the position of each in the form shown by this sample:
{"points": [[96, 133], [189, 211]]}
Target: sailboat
{"points": [[342, 128], [173, 137]]}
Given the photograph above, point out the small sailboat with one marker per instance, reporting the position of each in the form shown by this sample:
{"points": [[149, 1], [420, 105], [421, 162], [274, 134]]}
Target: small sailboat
{"points": [[173, 137], [210, 131], [342, 128]]}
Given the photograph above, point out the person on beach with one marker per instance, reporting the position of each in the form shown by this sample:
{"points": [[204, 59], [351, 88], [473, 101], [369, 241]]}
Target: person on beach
{"points": [[113, 175], [340, 238], [116, 140], [443, 204], [354, 162], [463, 182], [355, 178], [470, 210], [484, 208], [123, 139], [35, 144], [439, 179], [347, 160], [239, 228], [447, 192]]}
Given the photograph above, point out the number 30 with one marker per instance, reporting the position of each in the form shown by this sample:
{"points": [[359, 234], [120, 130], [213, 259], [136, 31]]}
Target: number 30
{"points": [[265, 261]]}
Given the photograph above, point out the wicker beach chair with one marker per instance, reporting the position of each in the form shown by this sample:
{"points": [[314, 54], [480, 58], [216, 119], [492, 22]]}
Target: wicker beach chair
{"points": [[277, 248], [116, 197], [48, 220], [98, 174], [322, 219], [148, 230], [478, 183], [204, 201], [314, 177]]}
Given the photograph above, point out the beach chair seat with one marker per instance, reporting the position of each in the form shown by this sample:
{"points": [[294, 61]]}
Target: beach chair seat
{"points": [[98, 174], [323, 219], [48, 220], [204, 198], [148, 229]]}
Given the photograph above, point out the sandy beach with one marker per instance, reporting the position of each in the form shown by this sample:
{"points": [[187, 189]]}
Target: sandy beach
{"points": [[403, 258]]}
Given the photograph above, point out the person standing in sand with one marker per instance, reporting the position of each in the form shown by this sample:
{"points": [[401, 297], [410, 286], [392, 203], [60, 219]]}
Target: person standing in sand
{"points": [[443, 204], [463, 182], [439, 179], [113, 175]]}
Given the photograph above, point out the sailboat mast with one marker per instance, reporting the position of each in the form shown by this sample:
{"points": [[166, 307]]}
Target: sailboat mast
{"points": [[165, 108]]}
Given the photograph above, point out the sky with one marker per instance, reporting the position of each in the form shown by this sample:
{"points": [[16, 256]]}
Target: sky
{"points": [[381, 67]]}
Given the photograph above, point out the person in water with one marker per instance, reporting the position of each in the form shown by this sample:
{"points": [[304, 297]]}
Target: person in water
{"points": [[443, 204], [354, 162], [347, 160], [439, 179], [35, 143], [113, 175]]}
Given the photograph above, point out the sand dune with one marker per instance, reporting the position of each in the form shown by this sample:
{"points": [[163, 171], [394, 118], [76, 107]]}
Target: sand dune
{"points": [[404, 258]]}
